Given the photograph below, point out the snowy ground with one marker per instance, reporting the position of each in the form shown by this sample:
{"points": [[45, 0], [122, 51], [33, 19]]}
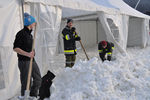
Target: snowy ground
{"points": [[126, 78]]}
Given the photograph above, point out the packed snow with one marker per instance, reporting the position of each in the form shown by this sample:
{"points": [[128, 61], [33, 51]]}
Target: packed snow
{"points": [[126, 78]]}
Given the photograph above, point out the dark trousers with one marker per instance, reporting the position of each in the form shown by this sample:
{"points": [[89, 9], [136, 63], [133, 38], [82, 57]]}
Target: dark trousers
{"points": [[35, 77], [70, 60], [102, 56]]}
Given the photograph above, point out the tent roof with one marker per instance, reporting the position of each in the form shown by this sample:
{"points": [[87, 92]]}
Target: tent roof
{"points": [[79, 6], [82, 7], [126, 9], [47, 2]]}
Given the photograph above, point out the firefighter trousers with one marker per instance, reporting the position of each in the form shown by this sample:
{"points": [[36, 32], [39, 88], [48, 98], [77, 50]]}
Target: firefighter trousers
{"points": [[70, 60]]}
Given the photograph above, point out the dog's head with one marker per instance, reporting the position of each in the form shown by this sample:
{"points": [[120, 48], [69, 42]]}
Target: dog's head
{"points": [[50, 75]]}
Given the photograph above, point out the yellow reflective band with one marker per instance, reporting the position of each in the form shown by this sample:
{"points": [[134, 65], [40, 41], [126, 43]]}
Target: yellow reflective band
{"points": [[70, 50], [67, 37], [106, 49], [74, 32], [76, 36], [112, 47], [100, 50], [109, 53]]}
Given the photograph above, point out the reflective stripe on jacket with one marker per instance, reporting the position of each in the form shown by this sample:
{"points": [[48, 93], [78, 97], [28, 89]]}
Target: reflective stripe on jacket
{"points": [[108, 49], [69, 38]]}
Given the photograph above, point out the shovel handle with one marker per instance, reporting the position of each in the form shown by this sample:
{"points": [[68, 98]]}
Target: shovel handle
{"points": [[31, 60], [84, 50]]}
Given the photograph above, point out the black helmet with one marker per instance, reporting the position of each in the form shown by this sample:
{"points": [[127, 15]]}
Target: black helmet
{"points": [[69, 20]]}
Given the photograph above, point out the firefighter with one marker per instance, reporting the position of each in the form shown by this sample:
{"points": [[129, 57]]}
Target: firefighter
{"points": [[105, 49], [70, 37]]}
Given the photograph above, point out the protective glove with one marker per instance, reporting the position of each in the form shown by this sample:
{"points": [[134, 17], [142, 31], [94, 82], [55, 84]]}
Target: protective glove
{"points": [[78, 38], [73, 29], [75, 52], [109, 58]]}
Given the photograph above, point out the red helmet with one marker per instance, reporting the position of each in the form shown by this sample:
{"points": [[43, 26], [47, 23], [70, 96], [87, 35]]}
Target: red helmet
{"points": [[104, 43]]}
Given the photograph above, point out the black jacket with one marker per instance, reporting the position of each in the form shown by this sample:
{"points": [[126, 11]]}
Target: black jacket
{"points": [[69, 37], [108, 49], [24, 41]]}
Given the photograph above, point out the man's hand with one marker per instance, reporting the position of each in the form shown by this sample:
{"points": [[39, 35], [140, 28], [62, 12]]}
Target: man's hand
{"points": [[31, 54], [78, 38]]}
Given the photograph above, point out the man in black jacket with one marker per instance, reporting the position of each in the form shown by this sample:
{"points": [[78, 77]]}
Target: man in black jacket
{"points": [[70, 36], [23, 47], [105, 48]]}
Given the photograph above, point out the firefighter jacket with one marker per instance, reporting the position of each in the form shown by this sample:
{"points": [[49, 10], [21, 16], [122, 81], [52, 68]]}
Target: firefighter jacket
{"points": [[108, 50], [69, 37]]}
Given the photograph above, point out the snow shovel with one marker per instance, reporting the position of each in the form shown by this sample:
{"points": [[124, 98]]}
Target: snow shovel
{"points": [[84, 50], [27, 91]]}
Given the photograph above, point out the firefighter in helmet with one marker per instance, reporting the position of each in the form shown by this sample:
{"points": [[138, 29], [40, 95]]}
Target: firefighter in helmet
{"points": [[105, 49], [70, 37]]}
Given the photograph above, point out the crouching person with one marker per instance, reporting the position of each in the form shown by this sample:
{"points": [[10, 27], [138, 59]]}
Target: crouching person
{"points": [[105, 49], [23, 47]]}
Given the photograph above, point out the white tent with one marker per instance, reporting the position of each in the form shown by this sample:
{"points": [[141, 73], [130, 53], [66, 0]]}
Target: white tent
{"points": [[123, 24], [10, 20], [95, 20]]}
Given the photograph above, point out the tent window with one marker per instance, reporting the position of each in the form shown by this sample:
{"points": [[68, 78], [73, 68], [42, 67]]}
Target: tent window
{"points": [[2, 83], [114, 29]]}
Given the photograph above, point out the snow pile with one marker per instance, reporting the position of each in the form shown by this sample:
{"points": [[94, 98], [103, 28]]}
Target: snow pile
{"points": [[123, 79]]}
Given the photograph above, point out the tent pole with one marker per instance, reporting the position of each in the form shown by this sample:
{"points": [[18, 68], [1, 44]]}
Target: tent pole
{"points": [[137, 4], [22, 5], [97, 31]]}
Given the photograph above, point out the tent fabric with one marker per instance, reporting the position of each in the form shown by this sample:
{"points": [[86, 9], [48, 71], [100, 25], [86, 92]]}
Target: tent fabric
{"points": [[48, 19], [122, 15], [126, 9], [5, 3], [107, 6], [138, 32], [10, 25], [47, 2], [109, 33], [118, 8], [83, 7]]}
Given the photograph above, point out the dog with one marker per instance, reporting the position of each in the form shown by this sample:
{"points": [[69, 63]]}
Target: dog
{"points": [[44, 91]]}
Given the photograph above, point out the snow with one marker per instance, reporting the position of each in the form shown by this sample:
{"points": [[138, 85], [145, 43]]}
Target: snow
{"points": [[126, 78]]}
